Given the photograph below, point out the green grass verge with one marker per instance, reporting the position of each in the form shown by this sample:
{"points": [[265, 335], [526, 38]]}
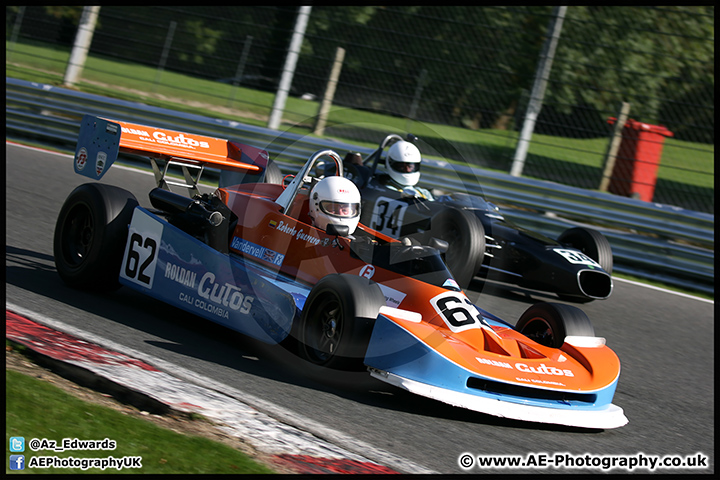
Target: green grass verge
{"points": [[37, 409]]}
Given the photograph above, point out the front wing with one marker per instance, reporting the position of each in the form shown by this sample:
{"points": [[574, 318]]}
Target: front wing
{"points": [[397, 357]]}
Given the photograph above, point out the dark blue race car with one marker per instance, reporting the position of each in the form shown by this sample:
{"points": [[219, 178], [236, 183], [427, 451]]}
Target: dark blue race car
{"points": [[577, 266]]}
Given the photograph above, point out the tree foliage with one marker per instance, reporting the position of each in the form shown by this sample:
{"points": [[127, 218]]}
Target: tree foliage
{"points": [[652, 58], [480, 63]]}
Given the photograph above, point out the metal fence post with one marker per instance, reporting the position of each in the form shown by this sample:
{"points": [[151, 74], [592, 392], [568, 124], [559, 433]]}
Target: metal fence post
{"points": [[80, 49], [329, 92], [613, 146], [538, 92], [289, 68], [165, 53], [416, 98], [241, 68], [15, 31]]}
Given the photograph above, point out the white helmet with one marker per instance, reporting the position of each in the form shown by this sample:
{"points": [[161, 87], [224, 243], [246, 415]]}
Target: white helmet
{"points": [[403, 163], [335, 200]]}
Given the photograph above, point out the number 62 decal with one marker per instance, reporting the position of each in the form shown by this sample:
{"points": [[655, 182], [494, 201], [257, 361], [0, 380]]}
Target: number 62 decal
{"points": [[141, 251], [457, 311], [134, 269]]}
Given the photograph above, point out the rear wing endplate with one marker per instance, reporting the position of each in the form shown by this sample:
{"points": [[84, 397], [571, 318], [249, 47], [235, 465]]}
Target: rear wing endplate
{"points": [[101, 140]]}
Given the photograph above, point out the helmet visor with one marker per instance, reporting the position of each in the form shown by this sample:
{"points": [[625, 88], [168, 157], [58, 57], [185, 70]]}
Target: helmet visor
{"points": [[404, 167], [340, 209]]}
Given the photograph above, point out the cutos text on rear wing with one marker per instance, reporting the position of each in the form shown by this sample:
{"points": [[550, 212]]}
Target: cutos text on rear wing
{"points": [[101, 140]]}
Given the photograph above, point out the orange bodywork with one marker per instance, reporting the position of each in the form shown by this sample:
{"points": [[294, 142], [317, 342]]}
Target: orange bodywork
{"points": [[498, 352], [310, 253], [508, 356], [162, 143]]}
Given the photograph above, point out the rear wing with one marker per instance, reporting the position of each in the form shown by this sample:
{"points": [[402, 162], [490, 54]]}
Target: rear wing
{"points": [[101, 140]]}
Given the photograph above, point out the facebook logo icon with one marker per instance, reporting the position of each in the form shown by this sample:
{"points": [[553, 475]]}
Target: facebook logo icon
{"points": [[17, 462]]}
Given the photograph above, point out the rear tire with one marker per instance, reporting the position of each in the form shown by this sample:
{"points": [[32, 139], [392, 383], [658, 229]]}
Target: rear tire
{"points": [[549, 323], [90, 236], [337, 321], [466, 242], [273, 173]]}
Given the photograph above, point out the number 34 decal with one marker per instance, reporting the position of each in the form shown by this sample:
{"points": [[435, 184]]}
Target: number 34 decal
{"points": [[387, 216], [576, 257]]}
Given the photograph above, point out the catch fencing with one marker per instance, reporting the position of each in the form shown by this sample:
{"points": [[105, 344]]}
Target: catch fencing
{"points": [[468, 80], [653, 241]]}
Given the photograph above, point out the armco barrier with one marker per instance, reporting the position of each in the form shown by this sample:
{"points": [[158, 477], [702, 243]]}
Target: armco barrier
{"points": [[649, 240]]}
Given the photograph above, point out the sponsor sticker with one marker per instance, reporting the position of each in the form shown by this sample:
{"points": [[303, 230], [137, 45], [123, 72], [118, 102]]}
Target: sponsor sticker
{"points": [[367, 271], [393, 298], [494, 363], [100, 161], [257, 251], [81, 158]]}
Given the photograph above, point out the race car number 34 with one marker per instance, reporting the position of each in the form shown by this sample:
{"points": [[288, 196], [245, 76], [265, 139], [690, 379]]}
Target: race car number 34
{"points": [[579, 258], [388, 215], [141, 252]]}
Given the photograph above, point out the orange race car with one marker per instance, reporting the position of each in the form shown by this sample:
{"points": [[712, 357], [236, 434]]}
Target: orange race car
{"points": [[284, 263]]}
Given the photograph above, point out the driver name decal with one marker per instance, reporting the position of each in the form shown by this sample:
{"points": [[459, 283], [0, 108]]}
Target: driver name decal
{"points": [[286, 228]]}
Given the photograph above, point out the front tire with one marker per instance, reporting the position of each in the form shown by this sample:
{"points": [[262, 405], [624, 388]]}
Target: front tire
{"points": [[90, 236], [466, 242], [337, 321], [592, 243], [549, 323]]}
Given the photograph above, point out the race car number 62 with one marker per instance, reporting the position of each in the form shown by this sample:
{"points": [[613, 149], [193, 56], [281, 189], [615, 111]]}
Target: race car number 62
{"points": [[133, 268], [142, 249], [457, 311]]}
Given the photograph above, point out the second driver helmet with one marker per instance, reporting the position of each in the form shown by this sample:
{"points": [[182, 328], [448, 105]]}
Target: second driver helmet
{"points": [[403, 163], [335, 200]]}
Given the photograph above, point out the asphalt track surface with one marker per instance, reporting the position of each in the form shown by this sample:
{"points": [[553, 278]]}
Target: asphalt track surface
{"points": [[665, 343]]}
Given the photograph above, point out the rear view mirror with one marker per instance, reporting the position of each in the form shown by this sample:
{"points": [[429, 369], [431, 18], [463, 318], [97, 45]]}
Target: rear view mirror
{"points": [[338, 230], [439, 244]]}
